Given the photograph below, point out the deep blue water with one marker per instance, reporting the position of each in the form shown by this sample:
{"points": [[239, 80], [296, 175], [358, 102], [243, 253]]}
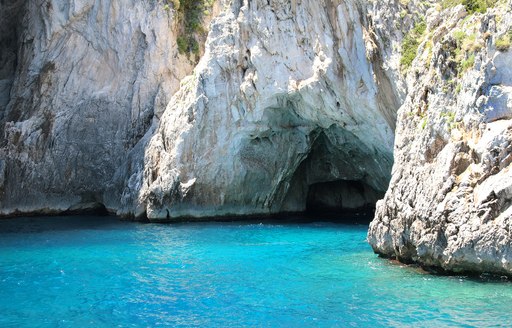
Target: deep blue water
{"points": [[97, 271]]}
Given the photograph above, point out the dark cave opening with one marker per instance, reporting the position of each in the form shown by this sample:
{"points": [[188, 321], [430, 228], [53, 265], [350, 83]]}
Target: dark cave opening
{"points": [[90, 204], [94, 209], [340, 178], [341, 195], [342, 200]]}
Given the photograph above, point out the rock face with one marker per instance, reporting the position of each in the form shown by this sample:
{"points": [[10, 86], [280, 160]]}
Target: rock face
{"points": [[79, 86], [290, 102], [291, 106], [449, 201]]}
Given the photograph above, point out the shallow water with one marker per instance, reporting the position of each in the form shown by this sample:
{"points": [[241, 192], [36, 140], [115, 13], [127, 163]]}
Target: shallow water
{"points": [[97, 271]]}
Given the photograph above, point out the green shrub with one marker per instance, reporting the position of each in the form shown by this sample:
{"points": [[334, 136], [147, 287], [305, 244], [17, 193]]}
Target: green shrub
{"points": [[450, 3], [472, 6], [459, 36], [468, 63], [194, 46], [182, 44], [466, 48], [450, 120], [424, 123], [411, 43], [479, 6], [190, 15], [420, 28], [409, 50], [504, 42]]}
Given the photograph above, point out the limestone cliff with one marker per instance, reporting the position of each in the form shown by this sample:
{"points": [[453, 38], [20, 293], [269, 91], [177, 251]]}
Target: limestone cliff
{"points": [[448, 204], [290, 102], [292, 105], [79, 86]]}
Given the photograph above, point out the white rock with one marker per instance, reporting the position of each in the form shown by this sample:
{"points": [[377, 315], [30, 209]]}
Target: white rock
{"points": [[270, 113], [90, 77], [449, 201]]}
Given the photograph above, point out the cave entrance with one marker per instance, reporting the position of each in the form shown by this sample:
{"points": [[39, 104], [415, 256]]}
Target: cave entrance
{"points": [[342, 197], [340, 178], [90, 204]]}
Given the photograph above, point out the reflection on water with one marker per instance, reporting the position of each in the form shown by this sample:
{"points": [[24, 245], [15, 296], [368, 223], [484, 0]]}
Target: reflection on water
{"points": [[97, 271]]}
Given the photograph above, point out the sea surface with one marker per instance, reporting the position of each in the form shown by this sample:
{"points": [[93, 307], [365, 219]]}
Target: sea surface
{"points": [[100, 272]]}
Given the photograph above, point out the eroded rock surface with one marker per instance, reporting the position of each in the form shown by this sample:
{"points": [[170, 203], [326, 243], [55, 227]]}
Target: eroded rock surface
{"points": [[449, 201], [288, 95], [80, 83], [293, 105]]}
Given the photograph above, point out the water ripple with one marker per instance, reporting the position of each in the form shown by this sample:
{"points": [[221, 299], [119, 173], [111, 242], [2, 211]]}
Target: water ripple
{"points": [[107, 274]]}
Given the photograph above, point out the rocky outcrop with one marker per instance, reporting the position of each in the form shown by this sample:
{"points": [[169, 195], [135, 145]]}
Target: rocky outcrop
{"points": [[449, 201], [290, 102], [292, 105], [80, 84]]}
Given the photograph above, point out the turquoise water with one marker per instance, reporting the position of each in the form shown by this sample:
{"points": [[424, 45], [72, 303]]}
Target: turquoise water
{"points": [[99, 272]]}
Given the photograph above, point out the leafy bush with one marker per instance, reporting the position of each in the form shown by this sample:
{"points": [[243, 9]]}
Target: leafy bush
{"points": [[468, 63], [472, 6], [459, 36], [479, 6], [411, 43], [194, 46], [190, 14], [182, 44], [450, 120], [424, 123], [450, 3], [409, 50], [465, 51]]}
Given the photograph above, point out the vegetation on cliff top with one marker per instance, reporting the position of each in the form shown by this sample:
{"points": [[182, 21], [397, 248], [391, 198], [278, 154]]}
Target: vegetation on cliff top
{"points": [[466, 44]]}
